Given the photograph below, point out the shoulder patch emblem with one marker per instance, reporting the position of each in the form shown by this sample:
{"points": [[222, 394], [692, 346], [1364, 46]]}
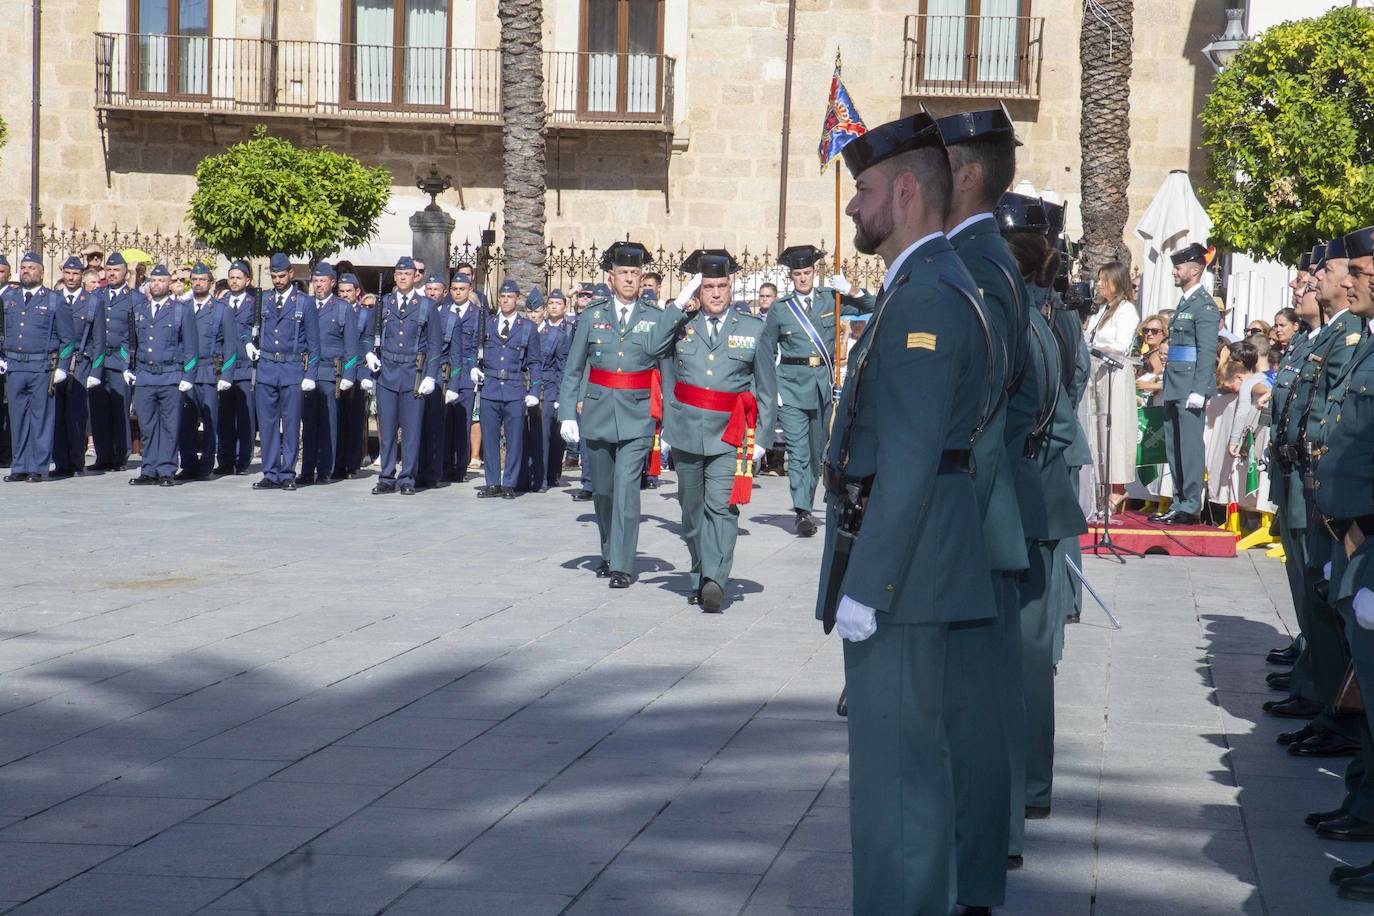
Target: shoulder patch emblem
{"points": [[921, 341]]}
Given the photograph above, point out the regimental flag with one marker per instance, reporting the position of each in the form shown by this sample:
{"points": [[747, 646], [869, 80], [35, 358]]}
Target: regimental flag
{"points": [[842, 120]]}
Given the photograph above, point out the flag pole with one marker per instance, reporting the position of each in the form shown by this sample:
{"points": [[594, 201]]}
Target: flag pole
{"points": [[839, 357]]}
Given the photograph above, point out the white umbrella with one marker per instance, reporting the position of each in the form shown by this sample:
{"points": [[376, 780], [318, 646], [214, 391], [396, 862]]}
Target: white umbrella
{"points": [[1173, 221]]}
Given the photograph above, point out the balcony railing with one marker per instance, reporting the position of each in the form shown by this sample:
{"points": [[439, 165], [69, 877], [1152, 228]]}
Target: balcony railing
{"points": [[972, 56], [330, 79]]}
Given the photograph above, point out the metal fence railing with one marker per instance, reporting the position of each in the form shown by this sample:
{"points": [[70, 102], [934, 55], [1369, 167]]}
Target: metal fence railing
{"points": [[56, 244], [974, 56]]}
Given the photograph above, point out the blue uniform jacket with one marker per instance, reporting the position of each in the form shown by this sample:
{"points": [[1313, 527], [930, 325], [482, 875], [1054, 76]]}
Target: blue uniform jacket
{"points": [[554, 344], [36, 329], [87, 312], [339, 341], [289, 339], [218, 336], [512, 367], [165, 342], [408, 333], [119, 342], [242, 368]]}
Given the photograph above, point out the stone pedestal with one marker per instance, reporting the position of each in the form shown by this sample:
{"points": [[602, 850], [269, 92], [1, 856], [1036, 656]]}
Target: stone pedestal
{"points": [[431, 231]]}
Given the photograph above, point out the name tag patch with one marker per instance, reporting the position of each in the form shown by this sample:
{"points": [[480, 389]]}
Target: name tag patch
{"points": [[921, 340], [739, 342], [1184, 316]]}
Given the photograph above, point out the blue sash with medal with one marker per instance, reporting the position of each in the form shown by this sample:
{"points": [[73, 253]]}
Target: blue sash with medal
{"points": [[811, 333]]}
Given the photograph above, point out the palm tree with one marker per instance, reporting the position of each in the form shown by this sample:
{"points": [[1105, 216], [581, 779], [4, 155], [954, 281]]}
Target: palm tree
{"points": [[522, 139], [1104, 136]]}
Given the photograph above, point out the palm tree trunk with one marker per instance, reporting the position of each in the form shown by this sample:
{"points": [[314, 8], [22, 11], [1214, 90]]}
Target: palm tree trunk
{"points": [[522, 139], [1104, 135]]}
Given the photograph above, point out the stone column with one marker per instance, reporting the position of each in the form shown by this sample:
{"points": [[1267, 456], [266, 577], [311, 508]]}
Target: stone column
{"points": [[431, 231]]}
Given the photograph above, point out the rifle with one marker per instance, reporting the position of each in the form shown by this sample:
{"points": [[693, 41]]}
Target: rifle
{"points": [[419, 372], [338, 375], [52, 373], [4, 389]]}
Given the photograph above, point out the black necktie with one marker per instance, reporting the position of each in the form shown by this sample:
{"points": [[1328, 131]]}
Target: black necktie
{"points": [[715, 327], [505, 328], [28, 296]]}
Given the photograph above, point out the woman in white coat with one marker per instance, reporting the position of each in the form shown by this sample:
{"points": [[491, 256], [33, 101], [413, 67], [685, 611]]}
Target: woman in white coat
{"points": [[1112, 330]]}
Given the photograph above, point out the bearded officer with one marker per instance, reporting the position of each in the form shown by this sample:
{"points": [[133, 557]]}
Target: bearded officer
{"points": [[911, 562], [322, 417], [800, 330], [237, 409], [612, 370], [724, 387], [219, 342], [87, 311], [461, 395]]}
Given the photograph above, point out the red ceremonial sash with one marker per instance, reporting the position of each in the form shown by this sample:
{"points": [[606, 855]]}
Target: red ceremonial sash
{"points": [[638, 381], [739, 429]]}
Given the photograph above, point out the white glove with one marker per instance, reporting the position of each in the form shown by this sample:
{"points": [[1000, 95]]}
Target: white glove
{"points": [[841, 283], [688, 291], [59, 376], [426, 386], [92, 381], [223, 385], [345, 384], [477, 375], [759, 452], [4, 367], [555, 405], [571, 434], [450, 397], [183, 386], [307, 384], [130, 379], [531, 401], [1364, 608], [1195, 401], [1326, 571], [856, 622], [367, 384], [252, 351], [373, 363]]}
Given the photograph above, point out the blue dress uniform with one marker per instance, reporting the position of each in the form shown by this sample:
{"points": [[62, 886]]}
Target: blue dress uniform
{"points": [[237, 406], [166, 357], [353, 403], [409, 355], [458, 423], [220, 340], [434, 419], [548, 448], [111, 399], [289, 356], [1189, 369], [339, 358], [510, 364], [37, 341], [73, 405]]}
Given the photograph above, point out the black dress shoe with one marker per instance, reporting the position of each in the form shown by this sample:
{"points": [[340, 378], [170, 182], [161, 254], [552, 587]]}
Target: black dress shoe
{"points": [[1317, 818], [305, 480], [1293, 708], [962, 910], [61, 475], [186, 475], [16, 478], [98, 466], [695, 597], [543, 488], [581, 496], [166, 482], [1180, 518], [620, 580], [1279, 680], [1037, 812], [1327, 745], [1346, 872], [806, 523], [488, 492], [264, 484], [712, 596], [1015, 862], [223, 469], [507, 493], [287, 484], [143, 480], [240, 470], [1346, 827], [407, 490], [1361, 888], [383, 488], [1302, 734], [1283, 656], [604, 570], [1157, 516]]}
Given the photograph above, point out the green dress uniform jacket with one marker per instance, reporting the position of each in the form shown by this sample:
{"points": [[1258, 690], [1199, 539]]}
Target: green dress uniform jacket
{"points": [[808, 387], [1195, 325]]}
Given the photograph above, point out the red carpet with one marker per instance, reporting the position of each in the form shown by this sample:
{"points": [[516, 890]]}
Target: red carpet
{"points": [[1136, 532]]}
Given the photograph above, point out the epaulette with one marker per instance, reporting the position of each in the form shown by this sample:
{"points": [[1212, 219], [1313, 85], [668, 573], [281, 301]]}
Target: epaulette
{"points": [[599, 300]]}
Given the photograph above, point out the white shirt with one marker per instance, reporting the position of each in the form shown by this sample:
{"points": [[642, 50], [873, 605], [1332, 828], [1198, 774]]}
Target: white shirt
{"points": [[1337, 315], [159, 303], [968, 222], [1116, 335], [901, 258], [236, 301], [1190, 290], [200, 304], [622, 310]]}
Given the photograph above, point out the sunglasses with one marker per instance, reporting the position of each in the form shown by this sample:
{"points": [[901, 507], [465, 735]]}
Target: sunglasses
{"points": [[1153, 331], [1256, 330]]}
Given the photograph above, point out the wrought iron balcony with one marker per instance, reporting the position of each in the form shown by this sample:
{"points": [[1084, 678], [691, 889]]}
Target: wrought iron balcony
{"points": [[320, 79], [972, 56]]}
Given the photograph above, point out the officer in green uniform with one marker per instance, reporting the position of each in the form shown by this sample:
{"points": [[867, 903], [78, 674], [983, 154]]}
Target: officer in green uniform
{"points": [[1345, 499], [723, 387], [800, 331], [910, 561], [612, 371], [987, 709], [1190, 378]]}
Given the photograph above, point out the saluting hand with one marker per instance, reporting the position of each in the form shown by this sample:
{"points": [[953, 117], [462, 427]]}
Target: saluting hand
{"points": [[688, 292]]}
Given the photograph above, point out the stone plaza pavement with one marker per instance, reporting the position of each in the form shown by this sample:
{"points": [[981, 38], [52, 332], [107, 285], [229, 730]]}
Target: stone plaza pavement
{"points": [[218, 700]]}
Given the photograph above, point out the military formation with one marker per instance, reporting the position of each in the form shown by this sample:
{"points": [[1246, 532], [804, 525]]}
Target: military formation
{"points": [[1322, 482]]}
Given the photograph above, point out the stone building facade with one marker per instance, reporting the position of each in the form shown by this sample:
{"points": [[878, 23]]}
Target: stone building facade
{"points": [[676, 140]]}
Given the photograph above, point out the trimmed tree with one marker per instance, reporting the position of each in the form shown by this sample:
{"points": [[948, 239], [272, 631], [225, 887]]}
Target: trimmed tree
{"points": [[1288, 127], [267, 195], [524, 172]]}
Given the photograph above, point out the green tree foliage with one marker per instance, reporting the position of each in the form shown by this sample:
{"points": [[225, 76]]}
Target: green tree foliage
{"points": [[1289, 127], [266, 195]]}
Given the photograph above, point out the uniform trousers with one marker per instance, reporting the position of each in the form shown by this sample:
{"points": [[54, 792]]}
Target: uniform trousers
{"points": [[1324, 656], [614, 469], [534, 473], [352, 431], [109, 403], [804, 430], [432, 416], [1006, 585], [320, 430], [1044, 598], [237, 417], [710, 525], [279, 416], [1183, 447], [503, 418], [71, 427], [32, 415], [901, 787], [1359, 777], [199, 421], [6, 447], [159, 421], [399, 411], [458, 435], [555, 449]]}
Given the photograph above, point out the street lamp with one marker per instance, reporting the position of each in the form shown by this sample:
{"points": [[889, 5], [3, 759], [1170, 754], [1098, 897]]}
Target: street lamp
{"points": [[1228, 44]]}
